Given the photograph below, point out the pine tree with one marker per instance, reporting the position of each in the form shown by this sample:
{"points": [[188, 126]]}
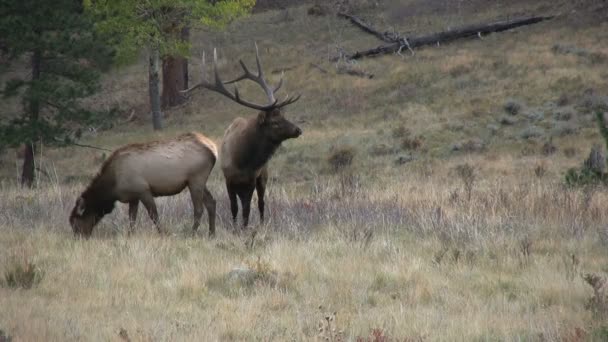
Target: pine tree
{"points": [[155, 25], [63, 54]]}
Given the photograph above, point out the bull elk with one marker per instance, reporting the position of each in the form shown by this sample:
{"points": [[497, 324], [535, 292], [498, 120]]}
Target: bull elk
{"points": [[140, 172], [249, 143]]}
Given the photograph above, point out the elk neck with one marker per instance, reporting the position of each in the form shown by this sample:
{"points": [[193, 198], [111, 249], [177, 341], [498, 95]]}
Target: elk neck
{"points": [[98, 195], [256, 151]]}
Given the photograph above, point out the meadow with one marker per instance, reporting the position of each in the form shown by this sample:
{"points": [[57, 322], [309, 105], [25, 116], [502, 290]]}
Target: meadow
{"points": [[427, 203]]}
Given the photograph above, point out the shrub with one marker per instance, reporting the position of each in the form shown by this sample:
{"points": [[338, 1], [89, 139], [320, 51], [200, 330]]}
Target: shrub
{"points": [[598, 304], [593, 171], [540, 170], [341, 158], [467, 175], [23, 275], [512, 107], [570, 152], [411, 143], [548, 148], [562, 129], [401, 132], [4, 337]]}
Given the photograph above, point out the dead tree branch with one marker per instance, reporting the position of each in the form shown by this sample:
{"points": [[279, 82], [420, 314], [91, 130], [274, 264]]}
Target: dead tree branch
{"points": [[444, 37], [82, 145], [383, 36]]}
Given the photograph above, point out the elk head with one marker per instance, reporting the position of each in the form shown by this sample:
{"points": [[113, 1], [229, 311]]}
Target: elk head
{"points": [[86, 214], [271, 122]]}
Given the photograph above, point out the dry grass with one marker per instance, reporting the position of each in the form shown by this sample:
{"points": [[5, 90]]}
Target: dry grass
{"points": [[405, 250], [375, 260]]}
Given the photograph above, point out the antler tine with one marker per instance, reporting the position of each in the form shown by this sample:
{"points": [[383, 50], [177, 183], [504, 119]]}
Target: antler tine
{"points": [[257, 61], [280, 83], [218, 79], [246, 75], [288, 101], [262, 80], [219, 86], [203, 83]]}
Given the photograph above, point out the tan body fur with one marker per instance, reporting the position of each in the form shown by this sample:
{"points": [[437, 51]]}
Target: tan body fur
{"points": [[139, 172]]}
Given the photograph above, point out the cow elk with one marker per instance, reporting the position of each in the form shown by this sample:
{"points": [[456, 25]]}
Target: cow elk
{"points": [[140, 172], [249, 143]]}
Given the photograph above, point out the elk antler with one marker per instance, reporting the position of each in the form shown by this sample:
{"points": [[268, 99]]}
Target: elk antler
{"points": [[219, 85]]}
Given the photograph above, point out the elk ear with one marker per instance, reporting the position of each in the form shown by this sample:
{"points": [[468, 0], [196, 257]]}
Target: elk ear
{"points": [[262, 117], [80, 206]]}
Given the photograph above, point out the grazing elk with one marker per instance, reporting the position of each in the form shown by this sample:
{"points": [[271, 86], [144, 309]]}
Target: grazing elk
{"points": [[139, 172], [249, 143]]}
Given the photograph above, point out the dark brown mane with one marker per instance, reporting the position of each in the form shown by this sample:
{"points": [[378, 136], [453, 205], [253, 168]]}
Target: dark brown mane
{"points": [[96, 194]]}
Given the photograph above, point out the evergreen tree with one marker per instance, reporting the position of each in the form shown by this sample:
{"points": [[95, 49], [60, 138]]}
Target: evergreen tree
{"points": [[63, 54], [156, 25]]}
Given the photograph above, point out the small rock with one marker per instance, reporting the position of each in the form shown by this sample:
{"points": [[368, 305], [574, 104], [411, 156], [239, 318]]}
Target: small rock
{"points": [[563, 129], [472, 145], [507, 121], [382, 150], [241, 275], [456, 147], [534, 116], [531, 132], [562, 115]]}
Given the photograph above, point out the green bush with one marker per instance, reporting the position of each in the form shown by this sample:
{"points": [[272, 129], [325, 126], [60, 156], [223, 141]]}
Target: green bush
{"points": [[22, 275], [592, 173]]}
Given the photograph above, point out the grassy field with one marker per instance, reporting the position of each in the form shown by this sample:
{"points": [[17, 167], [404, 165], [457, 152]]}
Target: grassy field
{"points": [[451, 223]]}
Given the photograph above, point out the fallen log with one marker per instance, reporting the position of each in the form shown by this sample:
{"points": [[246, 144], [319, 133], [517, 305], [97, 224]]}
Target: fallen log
{"points": [[383, 36], [444, 37]]}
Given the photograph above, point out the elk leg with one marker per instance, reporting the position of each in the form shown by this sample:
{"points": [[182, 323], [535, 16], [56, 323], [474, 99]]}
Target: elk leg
{"points": [[260, 186], [196, 194], [245, 193], [209, 203], [234, 207], [148, 201], [133, 206]]}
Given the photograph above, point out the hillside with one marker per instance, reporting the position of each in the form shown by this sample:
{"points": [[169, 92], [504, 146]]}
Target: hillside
{"points": [[451, 222], [453, 97]]}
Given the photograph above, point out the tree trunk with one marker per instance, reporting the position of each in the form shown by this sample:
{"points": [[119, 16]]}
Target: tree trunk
{"points": [[175, 76], [173, 81], [153, 87], [185, 36], [27, 172]]}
